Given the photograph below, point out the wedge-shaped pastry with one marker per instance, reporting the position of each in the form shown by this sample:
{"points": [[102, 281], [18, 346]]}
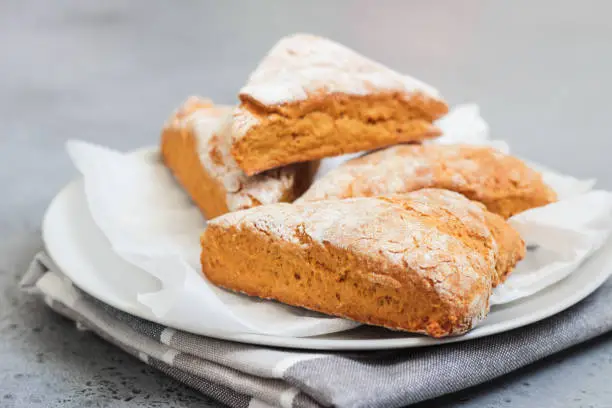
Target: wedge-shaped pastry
{"points": [[503, 183], [484, 228], [312, 98], [195, 146], [403, 262]]}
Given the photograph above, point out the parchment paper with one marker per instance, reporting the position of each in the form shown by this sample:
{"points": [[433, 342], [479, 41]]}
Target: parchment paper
{"points": [[151, 223]]}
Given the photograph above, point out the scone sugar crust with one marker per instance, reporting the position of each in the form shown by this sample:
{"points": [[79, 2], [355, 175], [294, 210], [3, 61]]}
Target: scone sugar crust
{"points": [[503, 183], [390, 261], [486, 231], [312, 98], [195, 146]]}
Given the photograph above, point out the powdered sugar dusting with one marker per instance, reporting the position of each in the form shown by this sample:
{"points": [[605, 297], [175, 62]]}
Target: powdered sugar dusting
{"points": [[302, 64], [470, 213], [379, 228], [243, 120], [404, 168], [381, 172], [211, 125]]}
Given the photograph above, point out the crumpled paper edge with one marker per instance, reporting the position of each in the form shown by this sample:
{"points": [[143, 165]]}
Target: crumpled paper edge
{"points": [[471, 117]]}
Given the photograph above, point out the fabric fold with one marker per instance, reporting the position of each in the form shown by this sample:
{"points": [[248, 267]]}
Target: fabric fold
{"points": [[242, 375]]}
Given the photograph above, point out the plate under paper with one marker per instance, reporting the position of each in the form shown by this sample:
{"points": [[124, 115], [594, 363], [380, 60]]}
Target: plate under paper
{"points": [[84, 254], [151, 224]]}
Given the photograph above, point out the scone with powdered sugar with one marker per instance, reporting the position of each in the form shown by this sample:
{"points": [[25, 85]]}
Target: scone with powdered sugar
{"points": [[195, 146], [503, 183], [425, 262], [312, 98]]}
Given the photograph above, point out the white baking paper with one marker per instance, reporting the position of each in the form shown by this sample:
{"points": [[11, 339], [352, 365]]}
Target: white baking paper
{"points": [[151, 223]]}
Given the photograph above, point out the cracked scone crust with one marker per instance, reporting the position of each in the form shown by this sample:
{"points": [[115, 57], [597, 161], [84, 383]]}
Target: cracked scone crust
{"points": [[503, 183], [400, 262], [484, 230], [195, 146], [312, 98]]}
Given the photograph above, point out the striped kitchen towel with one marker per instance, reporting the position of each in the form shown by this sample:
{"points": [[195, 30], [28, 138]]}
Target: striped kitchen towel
{"points": [[242, 375]]}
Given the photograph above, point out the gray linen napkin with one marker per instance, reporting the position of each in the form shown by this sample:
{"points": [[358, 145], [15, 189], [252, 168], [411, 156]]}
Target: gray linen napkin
{"points": [[242, 375]]}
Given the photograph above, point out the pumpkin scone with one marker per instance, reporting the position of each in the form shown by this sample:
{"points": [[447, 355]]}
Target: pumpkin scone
{"points": [[195, 145], [312, 98], [482, 226], [503, 183], [402, 262]]}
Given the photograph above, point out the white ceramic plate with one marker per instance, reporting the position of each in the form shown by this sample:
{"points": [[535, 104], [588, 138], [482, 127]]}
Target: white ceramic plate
{"points": [[84, 254]]}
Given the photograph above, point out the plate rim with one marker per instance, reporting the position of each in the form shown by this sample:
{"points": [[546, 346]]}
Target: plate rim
{"points": [[315, 343]]}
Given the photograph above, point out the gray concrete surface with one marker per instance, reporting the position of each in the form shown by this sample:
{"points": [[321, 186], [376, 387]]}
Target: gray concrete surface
{"points": [[111, 71]]}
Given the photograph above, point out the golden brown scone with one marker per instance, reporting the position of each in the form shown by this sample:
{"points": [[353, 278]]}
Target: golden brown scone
{"points": [[195, 146], [312, 98], [403, 262], [503, 183], [482, 227]]}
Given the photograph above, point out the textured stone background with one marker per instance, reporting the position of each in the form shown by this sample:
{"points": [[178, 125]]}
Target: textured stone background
{"points": [[111, 71]]}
